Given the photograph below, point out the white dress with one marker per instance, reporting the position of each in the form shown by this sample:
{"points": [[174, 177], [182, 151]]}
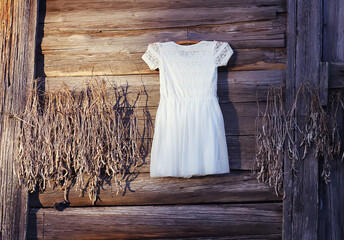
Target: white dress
{"points": [[189, 137]]}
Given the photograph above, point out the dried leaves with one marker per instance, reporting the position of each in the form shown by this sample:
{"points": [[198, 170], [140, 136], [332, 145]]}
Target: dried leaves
{"points": [[281, 134], [82, 138]]}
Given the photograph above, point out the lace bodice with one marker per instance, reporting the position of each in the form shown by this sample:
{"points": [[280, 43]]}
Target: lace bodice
{"points": [[221, 52], [187, 70]]}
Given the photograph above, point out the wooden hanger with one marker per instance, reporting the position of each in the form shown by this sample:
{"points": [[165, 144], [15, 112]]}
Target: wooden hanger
{"points": [[187, 42]]}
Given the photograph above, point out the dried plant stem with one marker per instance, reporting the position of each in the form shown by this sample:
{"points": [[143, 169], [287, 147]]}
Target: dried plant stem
{"points": [[276, 128], [80, 138]]}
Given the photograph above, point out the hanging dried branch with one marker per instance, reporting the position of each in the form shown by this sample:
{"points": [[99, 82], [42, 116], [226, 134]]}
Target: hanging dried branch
{"points": [[81, 138], [270, 139], [321, 131], [276, 129]]}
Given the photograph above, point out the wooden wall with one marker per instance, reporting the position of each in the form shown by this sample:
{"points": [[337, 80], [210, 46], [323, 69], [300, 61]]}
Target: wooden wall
{"points": [[331, 210], [78, 40]]}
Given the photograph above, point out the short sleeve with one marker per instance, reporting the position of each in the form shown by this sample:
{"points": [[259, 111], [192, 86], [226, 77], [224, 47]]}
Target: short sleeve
{"points": [[152, 56], [223, 53]]}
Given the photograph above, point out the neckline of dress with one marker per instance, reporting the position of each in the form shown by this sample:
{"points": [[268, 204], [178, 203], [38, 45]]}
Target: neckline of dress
{"points": [[187, 46]]}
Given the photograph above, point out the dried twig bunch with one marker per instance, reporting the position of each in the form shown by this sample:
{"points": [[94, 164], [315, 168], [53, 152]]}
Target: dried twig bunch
{"points": [[82, 138], [276, 128], [270, 137], [321, 129]]}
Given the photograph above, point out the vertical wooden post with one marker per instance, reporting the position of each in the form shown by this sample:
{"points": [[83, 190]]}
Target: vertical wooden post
{"points": [[304, 37], [18, 19]]}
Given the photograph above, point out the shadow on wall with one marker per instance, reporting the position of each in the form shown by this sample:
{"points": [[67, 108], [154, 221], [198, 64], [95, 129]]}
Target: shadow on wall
{"points": [[232, 125], [39, 61]]}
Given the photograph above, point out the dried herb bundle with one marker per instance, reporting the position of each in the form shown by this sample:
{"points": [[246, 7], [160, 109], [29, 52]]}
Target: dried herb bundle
{"points": [[82, 138], [276, 128], [321, 129], [270, 137]]}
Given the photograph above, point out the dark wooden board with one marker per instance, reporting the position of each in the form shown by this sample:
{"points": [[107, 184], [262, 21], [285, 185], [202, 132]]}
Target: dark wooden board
{"points": [[234, 187], [237, 220], [333, 47], [331, 196], [336, 75], [300, 220]]}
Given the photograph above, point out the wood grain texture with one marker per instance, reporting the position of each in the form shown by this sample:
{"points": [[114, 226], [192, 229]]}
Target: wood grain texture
{"points": [[333, 46], [289, 98], [158, 221], [66, 63], [235, 187], [232, 87], [304, 52], [331, 196], [61, 5], [17, 42], [109, 15]]}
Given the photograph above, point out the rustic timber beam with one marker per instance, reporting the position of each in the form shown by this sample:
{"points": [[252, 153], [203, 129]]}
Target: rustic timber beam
{"points": [[300, 206], [17, 56], [236, 187], [210, 221]]}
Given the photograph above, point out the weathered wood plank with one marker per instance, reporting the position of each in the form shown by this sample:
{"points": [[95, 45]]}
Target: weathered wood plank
{"points": [[159, 221], [18, 19], [81, 63], [304, 52], [233, 87], [331, 196], [134, 40], [89, 15], [144, 190], [287, 230], [113, 19], [333, 47], [99, 5]]}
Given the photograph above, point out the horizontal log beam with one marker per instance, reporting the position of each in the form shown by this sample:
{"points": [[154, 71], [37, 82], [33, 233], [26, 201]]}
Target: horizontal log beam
{"points": [[236, 221], [233, 87], [96, 5], [141, 15], [63, 63], [237, 186]]}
